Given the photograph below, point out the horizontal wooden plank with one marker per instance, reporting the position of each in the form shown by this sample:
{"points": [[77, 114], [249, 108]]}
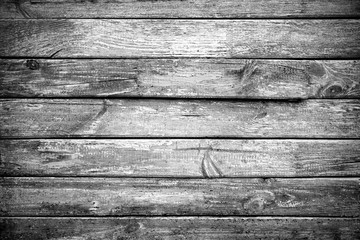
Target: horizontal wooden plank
{"points": [[178, 9], [179, 118], [180, 158], [179, 228], [221, 78], [44, 196], [334, 38]]}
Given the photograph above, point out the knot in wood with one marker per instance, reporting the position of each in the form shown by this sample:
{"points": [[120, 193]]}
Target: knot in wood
{"points": [[32, 64], [132, 227], [267, 180], [255, 204], [333, 91], [259, 201], [95, 206]]}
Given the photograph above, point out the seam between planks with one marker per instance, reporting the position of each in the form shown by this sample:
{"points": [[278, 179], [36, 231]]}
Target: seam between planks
{"points": [[180, 57], [263, 178]]}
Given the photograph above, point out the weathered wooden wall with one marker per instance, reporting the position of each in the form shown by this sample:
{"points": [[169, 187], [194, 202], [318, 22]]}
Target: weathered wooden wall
{"points": [[179, 119]]}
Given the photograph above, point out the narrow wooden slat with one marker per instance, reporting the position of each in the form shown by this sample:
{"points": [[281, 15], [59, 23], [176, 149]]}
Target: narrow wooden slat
{"points": [[160, 196], [179, 228], [180, 158], [221, 78], [178, 8], [179, 118], [181, 38]]}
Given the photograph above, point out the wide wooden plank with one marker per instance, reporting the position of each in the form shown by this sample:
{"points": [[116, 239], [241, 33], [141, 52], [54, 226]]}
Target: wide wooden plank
{"points": [[221, 78], [180, 158], [44, 196], [178, 228], [178, 8], [179, 118], [334, 38]]}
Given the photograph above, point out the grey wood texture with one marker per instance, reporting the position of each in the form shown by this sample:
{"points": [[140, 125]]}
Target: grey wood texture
{"points": [[178, 8], [179, 118], [43, 196], [196, 78], [180, 158], [94, 38], [193, 228]]}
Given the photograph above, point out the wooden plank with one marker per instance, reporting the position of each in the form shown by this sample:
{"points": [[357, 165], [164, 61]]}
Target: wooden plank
{"points": [[334, 38], [178, 9], [180, 158], [224, 78], [44, 196], [179, 118], [179, 228]]}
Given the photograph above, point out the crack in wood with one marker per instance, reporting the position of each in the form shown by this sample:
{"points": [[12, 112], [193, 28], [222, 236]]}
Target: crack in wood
{"points": [[20, 9], [53, 55], [214, 149], [192, 115], [245, 73], [261, 115], [82, 125], [102, 111], [209, 168]]}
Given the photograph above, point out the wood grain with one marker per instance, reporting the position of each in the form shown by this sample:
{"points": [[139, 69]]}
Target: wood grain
{"points": [[93, 38], [160, 196], [178, 8], [196, 78], [179, 118], [180, 158], [178, 228]]}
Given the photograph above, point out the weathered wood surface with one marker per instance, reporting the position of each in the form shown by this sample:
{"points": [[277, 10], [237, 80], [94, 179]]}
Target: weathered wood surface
{"points": [[180, 158], [160, 196], [179, 118], [178, 228], [334, 38], [220, 78], [178, 9]]}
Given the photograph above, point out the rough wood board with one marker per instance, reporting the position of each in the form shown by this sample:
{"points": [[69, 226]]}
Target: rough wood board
{"points": [[93, 38], [179, 118], [43, 196], [178, 9], [211, 78], [180, 158], [178, 228]]}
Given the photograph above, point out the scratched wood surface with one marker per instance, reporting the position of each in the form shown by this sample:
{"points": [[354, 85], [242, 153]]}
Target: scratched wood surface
{"points": [[139, 38], [179, 118], [180, 158], [196, 78], [203, 228], [178, 8], [43, 196]]}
